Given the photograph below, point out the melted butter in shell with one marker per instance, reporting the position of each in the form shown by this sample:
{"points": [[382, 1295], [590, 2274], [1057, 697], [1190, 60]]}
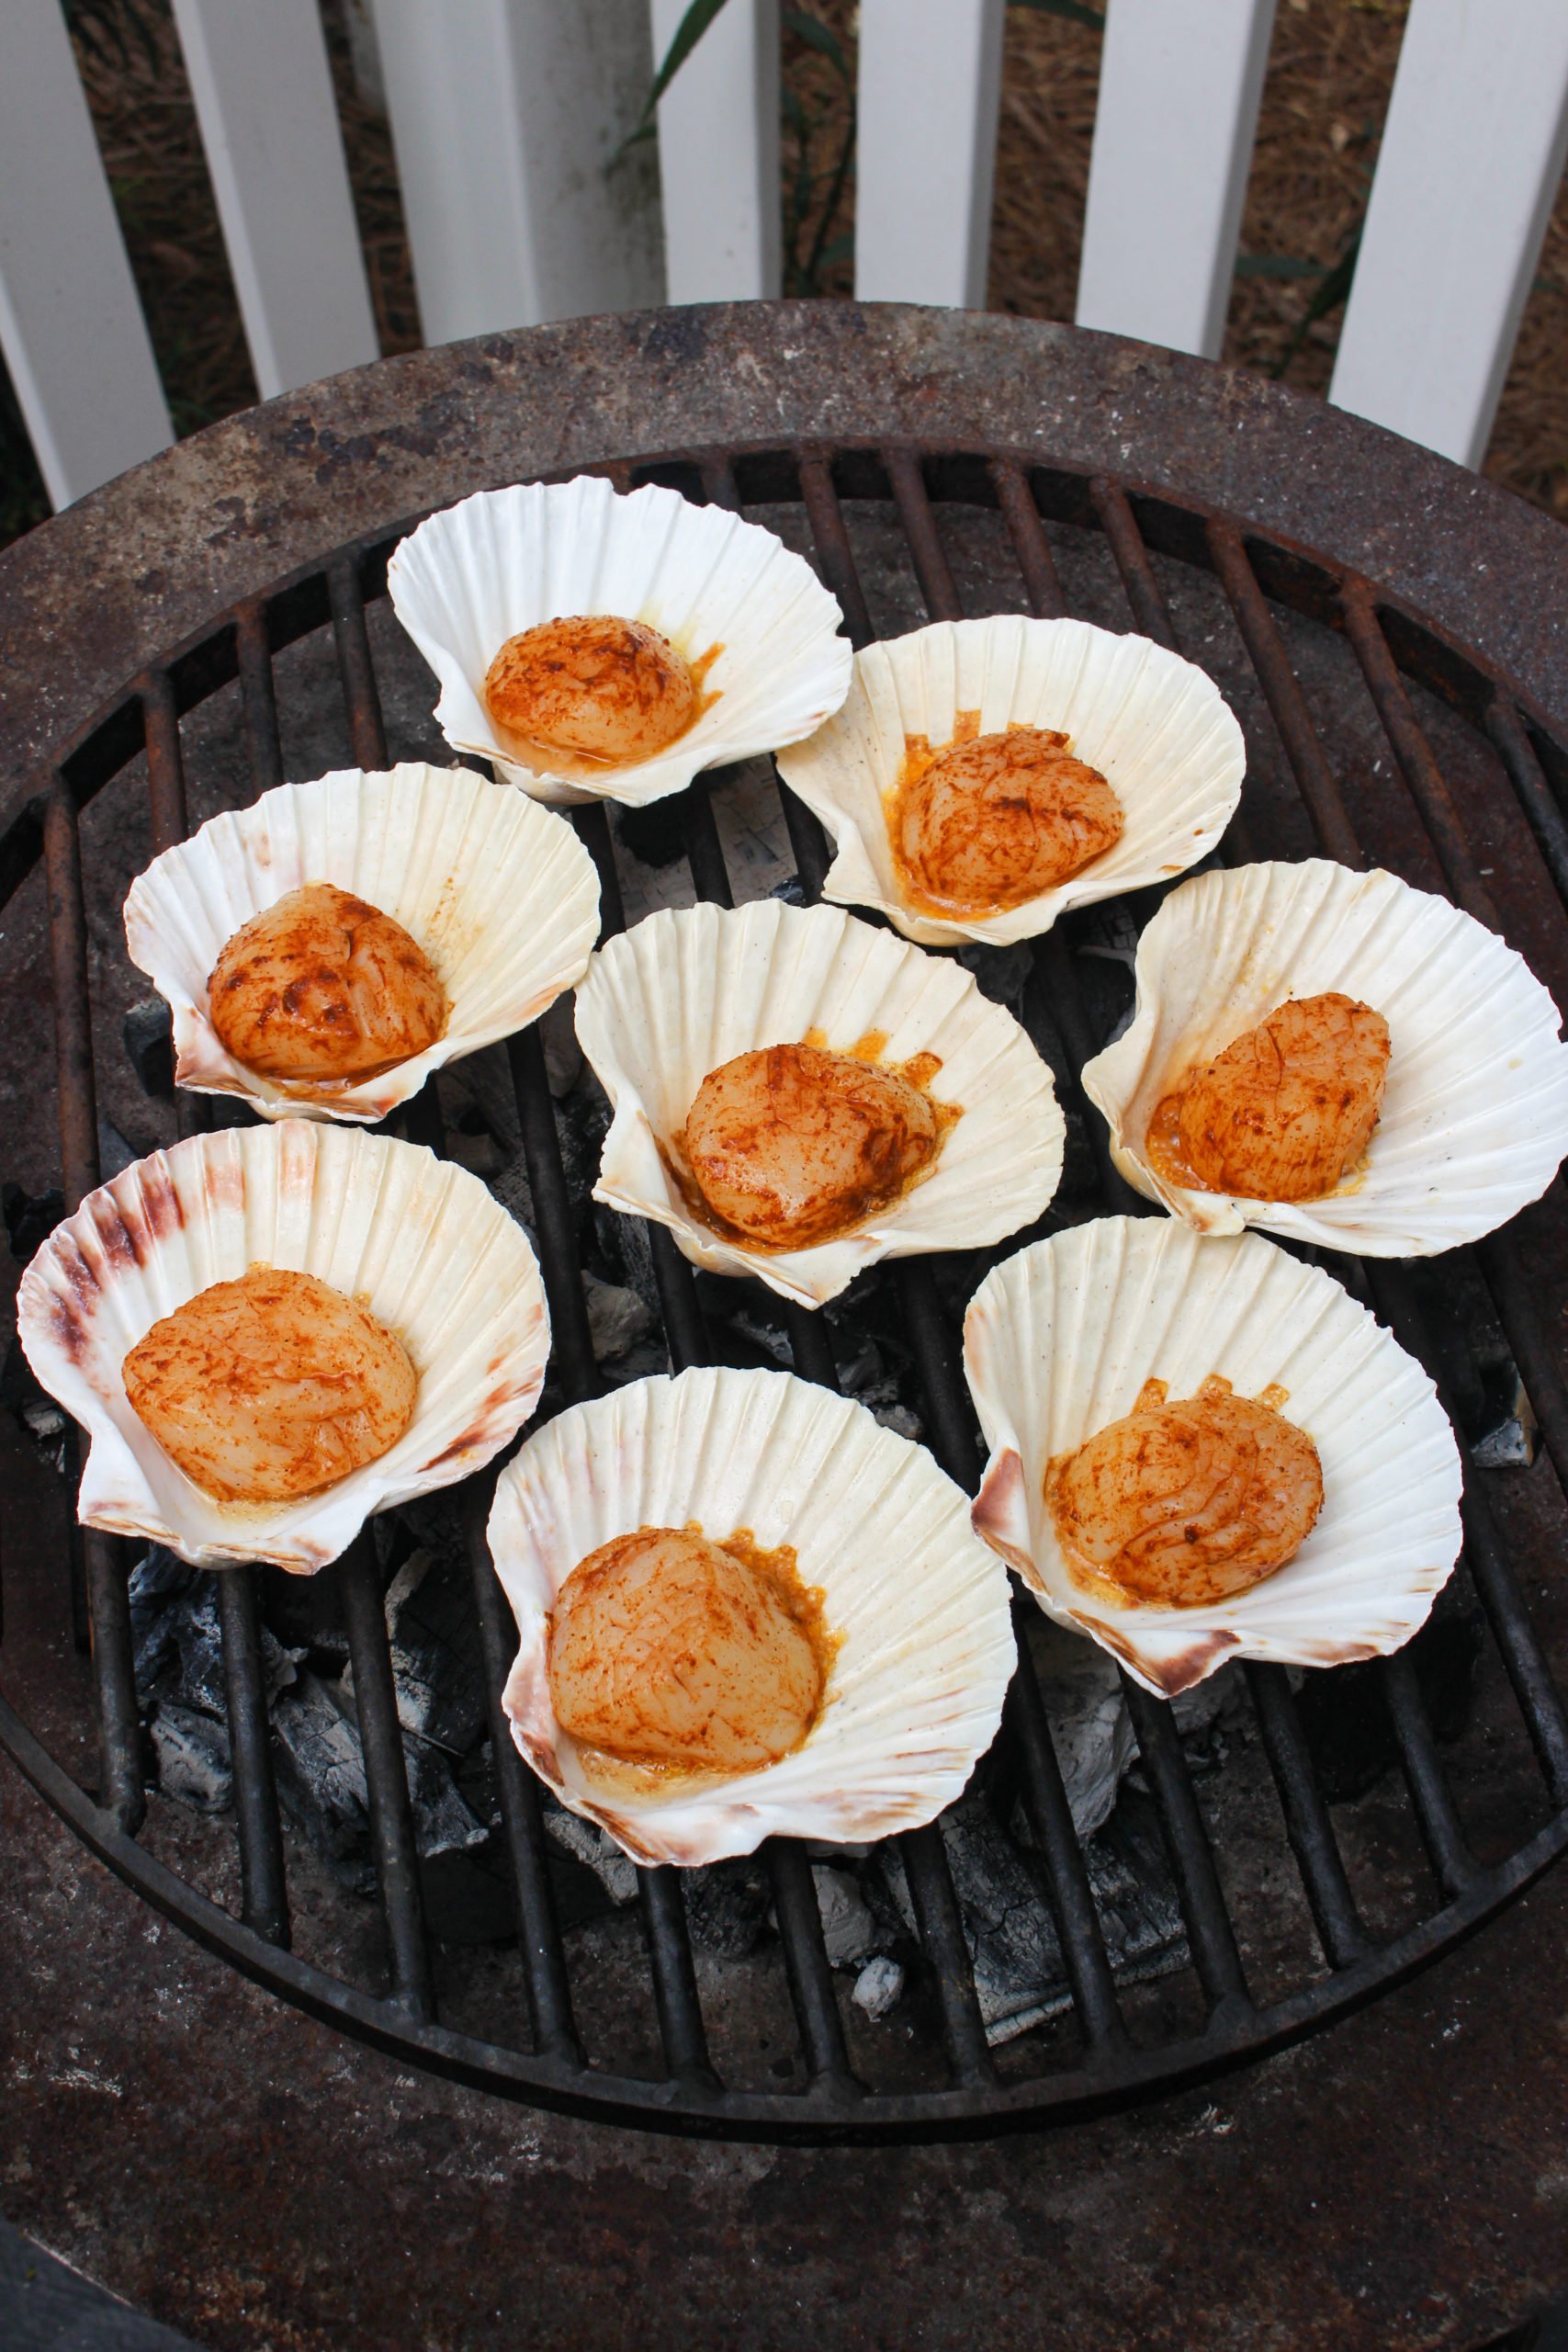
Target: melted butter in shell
{"points": [[1177, 1505], [789, 1146], [588, 693], [671, 1656], [271, 1387], [1286, 1111], [987, 822], [322, 987]]}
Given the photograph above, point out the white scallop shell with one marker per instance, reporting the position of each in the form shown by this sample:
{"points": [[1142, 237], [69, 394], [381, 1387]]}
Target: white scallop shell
{"points": [[915, 1693], [419, 1241], [686, 991], [505, 560], [1156, 727], [1059, 1341], [1474, 1122], [501, 895]]}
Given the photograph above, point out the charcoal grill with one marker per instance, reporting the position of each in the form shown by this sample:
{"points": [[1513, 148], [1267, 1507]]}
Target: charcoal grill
{"points": [[1315, 636]]}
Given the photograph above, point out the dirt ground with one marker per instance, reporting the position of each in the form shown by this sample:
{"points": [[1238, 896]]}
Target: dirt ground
{"points": [[1330, 70]]}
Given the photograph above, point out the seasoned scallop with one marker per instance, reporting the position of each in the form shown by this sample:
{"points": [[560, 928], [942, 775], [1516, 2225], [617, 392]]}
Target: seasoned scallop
{"points": [[322, 985], [1182, 1502], [668, 1648], [1288, 1108], [790, 1145], [272, 1386], [994, 821], [594, 687]]}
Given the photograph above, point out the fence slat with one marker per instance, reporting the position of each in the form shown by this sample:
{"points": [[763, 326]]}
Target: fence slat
{"points": [[928, 84], [506, 116], [269, 125], [1472, 152], [71, 325], [719, 155], [1179, 82]]}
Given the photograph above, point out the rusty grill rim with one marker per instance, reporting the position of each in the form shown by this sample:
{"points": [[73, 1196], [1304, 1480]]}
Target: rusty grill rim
{"points": [[834, 2106]]}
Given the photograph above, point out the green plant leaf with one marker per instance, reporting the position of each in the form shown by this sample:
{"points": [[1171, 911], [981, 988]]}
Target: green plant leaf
{"points": [[1073, 11], [819, 37], [688, 32]]}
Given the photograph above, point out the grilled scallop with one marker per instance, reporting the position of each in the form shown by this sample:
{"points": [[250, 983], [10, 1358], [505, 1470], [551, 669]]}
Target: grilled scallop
{"points": [[1287, 1110], [1184, 1502], [1001, 819], [668, 1648], [321, 985], [594, 688], [790, 1145], [271, 1387]]}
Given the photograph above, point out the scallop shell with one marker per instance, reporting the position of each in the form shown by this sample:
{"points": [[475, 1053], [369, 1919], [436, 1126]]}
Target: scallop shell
{"points": [[915, 1693], [1059, 1341], [1156, 727], [686, 991], [420, 1242], [1474, 1122], [505, 560], [501, 895]]}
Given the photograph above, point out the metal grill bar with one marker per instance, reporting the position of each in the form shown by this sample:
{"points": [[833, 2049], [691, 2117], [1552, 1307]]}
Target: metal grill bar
{"points": [[165, 767], [1209, 1930], [835, 557], [258, 695], [1411, 749], [263, 1894], [1448, 1849], [386, 1776], [931, 568], [941, 1927], [1509, 1286], [570, 1335], [544, 1960], [1260, 633], [593, 825], [675, 1979], [1144, 595], [1030, 543], [1511, 738], [365, 729], [1307, 1825], [806, 1962]]}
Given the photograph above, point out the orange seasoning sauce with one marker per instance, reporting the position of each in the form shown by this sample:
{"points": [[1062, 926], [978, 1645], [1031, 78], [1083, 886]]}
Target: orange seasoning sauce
{"points": [[587, 693], [986, 822], [675, 1659], [794, 1144]]}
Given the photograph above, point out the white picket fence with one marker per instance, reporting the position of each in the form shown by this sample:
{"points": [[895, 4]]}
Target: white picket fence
{"points": [[505, 115]]}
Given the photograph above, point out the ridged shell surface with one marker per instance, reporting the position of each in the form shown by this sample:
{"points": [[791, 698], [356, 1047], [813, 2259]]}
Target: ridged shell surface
{"points": [[1156, 727], [918, 1604], [419, 1241], [500, 893], [505, 560], [684, 991], [1474, 1120], [1059, 1341]]}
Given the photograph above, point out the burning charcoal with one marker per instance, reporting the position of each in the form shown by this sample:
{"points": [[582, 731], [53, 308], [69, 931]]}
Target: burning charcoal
{"points": [[159, 1584], [442, 1822], [618, 1318], [510, 1185], [1140, 1917], [563, 1055], [1505, 1434], [587, 1843], [655, 835], [623, 1241], [181, 1619], [31, 1219], [115, 1154], [727, 1906], [878, 1986], [434, 1643], [34, 1409], [582, 1121], [1000, 973], [148, 1030], [321, 1780], [849, 1931], [484, 1081], [194, 1763], [1013, 1942], [479, 1152]]}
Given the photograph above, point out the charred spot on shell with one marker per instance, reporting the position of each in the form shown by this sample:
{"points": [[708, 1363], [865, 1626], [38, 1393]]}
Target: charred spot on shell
{"points": [[788, 1146], [991, 822]]}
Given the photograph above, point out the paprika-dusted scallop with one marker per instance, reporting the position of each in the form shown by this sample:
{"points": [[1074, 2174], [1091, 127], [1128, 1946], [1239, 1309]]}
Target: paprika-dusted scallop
{"points": [[1000, 819], [1286, 1111], [790, 1145], [271, 1387], [322, 985], [668, 1648], [590, 687], [1186, 1501]]}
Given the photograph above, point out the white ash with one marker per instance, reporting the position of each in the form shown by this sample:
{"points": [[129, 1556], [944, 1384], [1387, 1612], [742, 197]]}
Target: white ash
{"points": [[878, 1986], [849, 1931], [322, 1783], [618, 1318], [193, 1758]]}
